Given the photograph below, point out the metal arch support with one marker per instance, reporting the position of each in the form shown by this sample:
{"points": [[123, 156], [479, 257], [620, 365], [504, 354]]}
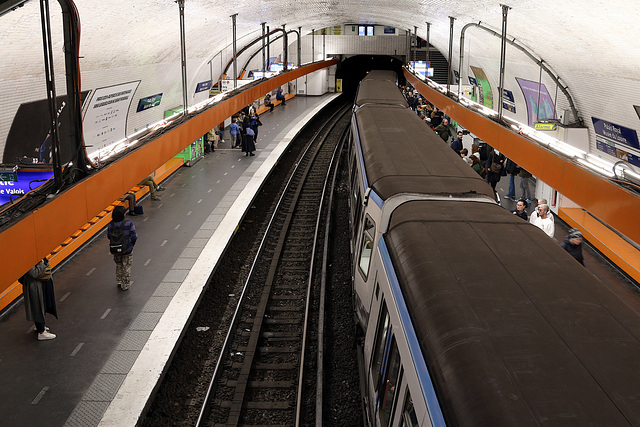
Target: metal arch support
{"points": [[540, 62], [246, 47]]}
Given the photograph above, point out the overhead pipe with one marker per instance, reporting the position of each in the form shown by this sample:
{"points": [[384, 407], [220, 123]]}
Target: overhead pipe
{"points": [[451, 20], [299, 47], [183, 57], [503, 54], [428, 41], [71, 26], [285, 48], [264, 62], [249, 45], [540, 62], [235, 55], [51, 92]]}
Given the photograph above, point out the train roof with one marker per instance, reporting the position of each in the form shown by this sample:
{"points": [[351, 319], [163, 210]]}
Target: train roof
{"points": [[379, 92], [389, 75], [401, 154], [514, 330]]}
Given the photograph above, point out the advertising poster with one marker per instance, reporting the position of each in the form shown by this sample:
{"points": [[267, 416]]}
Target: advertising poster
{"points": [[546, 110], [486, 94], [105, 120], [28, 139]]}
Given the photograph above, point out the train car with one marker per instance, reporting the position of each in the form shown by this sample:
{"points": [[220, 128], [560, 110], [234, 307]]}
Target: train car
{"points": [[379, 87], [471, 316]]}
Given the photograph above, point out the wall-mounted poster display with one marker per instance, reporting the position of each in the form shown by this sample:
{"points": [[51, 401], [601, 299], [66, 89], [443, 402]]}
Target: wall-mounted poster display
{"points": [[486, 95], [536, 112], [105, 120]]}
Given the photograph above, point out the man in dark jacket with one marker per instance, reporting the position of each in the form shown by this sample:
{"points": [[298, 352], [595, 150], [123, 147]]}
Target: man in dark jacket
{"points": [[444, 130], [456, 144], [123, 256], [573, 244]]}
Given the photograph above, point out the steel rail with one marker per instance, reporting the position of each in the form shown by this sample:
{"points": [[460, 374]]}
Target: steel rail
{"points": [[204, 413]]}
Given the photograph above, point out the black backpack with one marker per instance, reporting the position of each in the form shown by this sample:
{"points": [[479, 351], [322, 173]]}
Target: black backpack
{"points": [[117, 241]]}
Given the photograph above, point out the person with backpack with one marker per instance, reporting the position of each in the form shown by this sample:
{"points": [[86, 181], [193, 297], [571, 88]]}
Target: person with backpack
{"points": [[122, 238]]}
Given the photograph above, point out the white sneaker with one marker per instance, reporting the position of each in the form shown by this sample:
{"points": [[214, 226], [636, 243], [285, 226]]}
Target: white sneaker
{"points": [[46, 335]]}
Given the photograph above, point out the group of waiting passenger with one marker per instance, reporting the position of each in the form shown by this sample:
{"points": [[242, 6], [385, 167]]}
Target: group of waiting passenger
{"points": [[492, 166]]}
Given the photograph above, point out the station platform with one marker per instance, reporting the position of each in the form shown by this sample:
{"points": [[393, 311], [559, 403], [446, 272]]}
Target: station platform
{"points": [[112, 345]]}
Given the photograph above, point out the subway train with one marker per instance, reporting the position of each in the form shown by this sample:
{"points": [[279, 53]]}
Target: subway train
{"points": [[470, 315]]}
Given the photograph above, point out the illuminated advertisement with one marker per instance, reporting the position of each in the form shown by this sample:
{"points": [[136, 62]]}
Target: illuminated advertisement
{"points": [[105, 120], [545, 110], [486, 95], [26, 182]]}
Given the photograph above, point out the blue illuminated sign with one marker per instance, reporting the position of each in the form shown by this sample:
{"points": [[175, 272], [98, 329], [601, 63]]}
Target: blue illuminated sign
{"points": [[27, 181], [202, 86], [616, 133]]}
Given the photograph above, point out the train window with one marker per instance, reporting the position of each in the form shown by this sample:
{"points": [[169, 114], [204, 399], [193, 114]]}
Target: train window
{"points": [[388, 392], [409, 417], [367, 246], [381, 341]]}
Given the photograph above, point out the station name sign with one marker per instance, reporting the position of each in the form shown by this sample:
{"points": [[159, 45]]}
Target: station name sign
{"points": [[149, 102], [616, 133]]}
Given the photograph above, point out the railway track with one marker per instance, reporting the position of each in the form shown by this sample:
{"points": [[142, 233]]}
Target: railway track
{"points": [[265, 373]]}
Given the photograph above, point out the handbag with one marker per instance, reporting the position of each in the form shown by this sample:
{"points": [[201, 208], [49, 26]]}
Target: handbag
{"points": [[46, 274]]}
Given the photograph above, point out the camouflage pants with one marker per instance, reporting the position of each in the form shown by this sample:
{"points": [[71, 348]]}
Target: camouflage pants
{"points": [[123, 270]]}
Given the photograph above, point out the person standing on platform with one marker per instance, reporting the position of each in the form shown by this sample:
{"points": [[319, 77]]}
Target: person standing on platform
{"points": [[512, 170], [444, 130], [248, 146], [122, 238], [456, 144], [573, 244], [255, 123], [234, 130], [494, 166], [525, 177], [39, 298], [153, 187], [543, 222]]}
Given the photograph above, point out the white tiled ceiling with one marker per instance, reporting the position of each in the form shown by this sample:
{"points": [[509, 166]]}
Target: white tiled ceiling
{"points": [[591, 44], [570, 35]]}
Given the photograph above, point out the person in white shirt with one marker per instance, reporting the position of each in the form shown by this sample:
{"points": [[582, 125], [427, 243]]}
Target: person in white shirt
{"points": [[534, 214], [543, 221]]}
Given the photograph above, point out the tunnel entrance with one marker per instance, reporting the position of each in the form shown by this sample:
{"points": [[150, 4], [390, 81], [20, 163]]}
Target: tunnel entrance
{"points": [[353, 69]]}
